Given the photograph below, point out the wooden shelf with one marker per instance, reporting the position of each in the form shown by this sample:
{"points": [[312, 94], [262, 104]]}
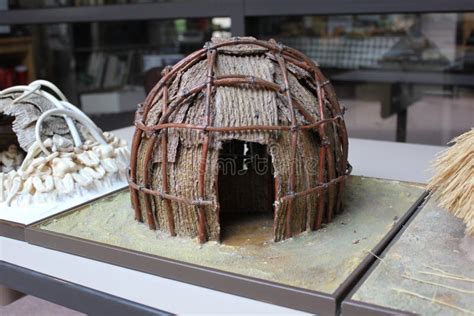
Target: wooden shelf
{"points": [[21, 48]]}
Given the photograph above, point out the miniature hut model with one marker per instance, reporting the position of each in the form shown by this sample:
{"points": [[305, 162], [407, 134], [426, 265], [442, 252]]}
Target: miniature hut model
{"points": [[50, 151], [239, 126]]}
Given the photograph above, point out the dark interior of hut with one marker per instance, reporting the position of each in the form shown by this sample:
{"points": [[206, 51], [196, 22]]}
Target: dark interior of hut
{"points": [[246, 192], [9, 146]]}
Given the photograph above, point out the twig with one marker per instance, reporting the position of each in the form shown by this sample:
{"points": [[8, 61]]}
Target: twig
{"points": [[448, 276], [399, 290], [438, 284], [442, 271], [373, 254]]}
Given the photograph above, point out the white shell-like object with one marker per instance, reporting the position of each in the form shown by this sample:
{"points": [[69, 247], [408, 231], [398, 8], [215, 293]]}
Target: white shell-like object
{"points": [[37, 162], [104, 151], [67, 155], [48, 183], [14, 188], [88, 158], [109, 165], [48, 143], [44, 170], [90, 173], [43, 186], [61, 166], [123, 143], [62, 144], [46, 161], [82, 180], [115, 142], [64, 185], [123, 153], [100, 170], [12, 175], [34, 150], [108, 136], [28, 186]]}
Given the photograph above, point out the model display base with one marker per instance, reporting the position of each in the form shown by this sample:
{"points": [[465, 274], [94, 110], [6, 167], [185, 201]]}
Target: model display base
{"points": [[308, 272], [34, 213], [427, 270]]}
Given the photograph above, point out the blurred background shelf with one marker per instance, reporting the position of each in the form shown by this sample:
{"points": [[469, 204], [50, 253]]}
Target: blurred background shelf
{"points": [[16, 55], [403, 68]]}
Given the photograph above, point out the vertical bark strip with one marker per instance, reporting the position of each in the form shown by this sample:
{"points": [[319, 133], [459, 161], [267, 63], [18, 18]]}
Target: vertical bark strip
{"points": [[164, 166], [293, 53], [211, 57], [342, 132], [133, 174], [146, 180], [331, 175], [294, 144], [322, 160], [216, 190]]}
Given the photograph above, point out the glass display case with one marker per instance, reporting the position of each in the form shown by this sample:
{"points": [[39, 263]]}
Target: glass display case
{"points": [[417, 66], [112, 62], [32, 4], [403, 76]]}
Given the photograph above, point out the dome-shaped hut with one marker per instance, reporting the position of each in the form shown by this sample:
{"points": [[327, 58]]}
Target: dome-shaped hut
{"points": [[239, 126]]}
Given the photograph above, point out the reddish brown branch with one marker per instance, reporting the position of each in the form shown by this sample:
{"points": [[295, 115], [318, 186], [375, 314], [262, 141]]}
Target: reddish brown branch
{"points": [[211, 58], [174, 198], [317, 189], [230, 129], [164, 167], [321, 162], [146, 180], [294, 145], [133, 171]]}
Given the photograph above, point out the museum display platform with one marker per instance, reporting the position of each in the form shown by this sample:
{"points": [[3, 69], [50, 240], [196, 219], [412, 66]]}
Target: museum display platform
{"points": [[424, 270], [148, 279], [13, 221], [12, 230], [310, 272]]}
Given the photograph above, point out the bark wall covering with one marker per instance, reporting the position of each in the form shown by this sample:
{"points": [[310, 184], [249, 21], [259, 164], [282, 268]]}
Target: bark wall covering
{"points": [[209, 98]]}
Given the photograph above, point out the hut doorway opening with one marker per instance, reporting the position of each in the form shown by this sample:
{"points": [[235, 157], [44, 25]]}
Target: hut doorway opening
{"points": [[246, 193], [11, 154]]}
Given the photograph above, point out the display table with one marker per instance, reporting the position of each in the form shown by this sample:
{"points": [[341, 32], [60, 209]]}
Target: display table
{"points": [[411, 275], [96, 287]]}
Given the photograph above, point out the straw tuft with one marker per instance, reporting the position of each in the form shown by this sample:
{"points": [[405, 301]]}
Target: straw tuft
{"points": [[454, 179]]}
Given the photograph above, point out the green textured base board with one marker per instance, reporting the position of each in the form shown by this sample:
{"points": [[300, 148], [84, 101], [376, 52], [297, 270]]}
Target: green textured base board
{"points": [[428, 270], [318, 261]]}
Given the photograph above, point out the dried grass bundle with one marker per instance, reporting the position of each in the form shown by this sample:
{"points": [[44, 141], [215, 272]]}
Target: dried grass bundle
{"points": [[454, 179]]}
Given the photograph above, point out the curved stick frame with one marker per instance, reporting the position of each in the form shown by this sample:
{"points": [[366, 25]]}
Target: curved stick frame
{"points": [[51, 86], [283, 55], [81, 117], [63, 107], [62, 103], [36, 89]]}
